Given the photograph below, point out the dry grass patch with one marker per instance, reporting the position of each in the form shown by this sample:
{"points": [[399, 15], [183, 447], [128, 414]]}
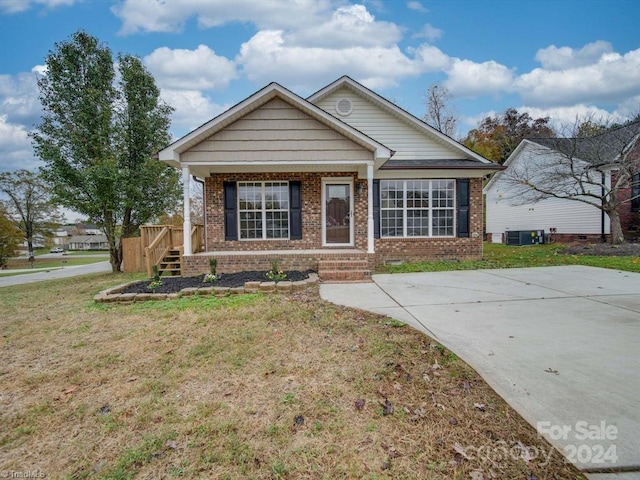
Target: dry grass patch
{"points": [[251, 386]]}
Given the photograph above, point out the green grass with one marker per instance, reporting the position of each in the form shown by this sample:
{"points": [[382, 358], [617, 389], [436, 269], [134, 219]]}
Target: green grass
{"points": [[503, 256]]}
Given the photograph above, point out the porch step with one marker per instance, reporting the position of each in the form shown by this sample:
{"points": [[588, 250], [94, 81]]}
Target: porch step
{"points": [[171, 264], [344, 271]]}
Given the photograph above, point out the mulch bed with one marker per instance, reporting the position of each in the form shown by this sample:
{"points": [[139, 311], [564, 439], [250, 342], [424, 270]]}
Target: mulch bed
{"points": [[175, 284], [607, 249]]}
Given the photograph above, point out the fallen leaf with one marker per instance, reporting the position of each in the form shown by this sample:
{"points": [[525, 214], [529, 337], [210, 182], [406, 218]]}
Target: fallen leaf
{"points": [[171, 444], [71, 389], [387, 408], [480, 406], [359, 404], [132, 379], [461, 450]]}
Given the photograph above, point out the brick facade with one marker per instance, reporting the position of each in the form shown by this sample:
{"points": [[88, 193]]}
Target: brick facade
{"points": [[387, 249], [629, 220]]}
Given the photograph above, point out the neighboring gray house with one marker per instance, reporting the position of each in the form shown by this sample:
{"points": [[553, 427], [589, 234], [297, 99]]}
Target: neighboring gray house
{"points": [[88, 242], [508, 208]]}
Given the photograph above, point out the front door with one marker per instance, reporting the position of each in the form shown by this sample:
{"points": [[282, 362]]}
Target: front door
{"points": [[338, 213]]}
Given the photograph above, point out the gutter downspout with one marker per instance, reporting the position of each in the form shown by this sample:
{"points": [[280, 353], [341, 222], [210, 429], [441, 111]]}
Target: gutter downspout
{"points": [[204, 207]]}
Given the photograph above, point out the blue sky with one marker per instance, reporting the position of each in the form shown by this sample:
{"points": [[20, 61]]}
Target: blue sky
{"points": [[556, 58]]}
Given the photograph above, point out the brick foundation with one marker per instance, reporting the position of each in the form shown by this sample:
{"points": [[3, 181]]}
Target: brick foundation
{"points": [[305, 254]]}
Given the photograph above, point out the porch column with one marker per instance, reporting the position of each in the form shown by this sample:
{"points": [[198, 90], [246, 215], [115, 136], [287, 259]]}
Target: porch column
{"points": [[186, 198], [370, 241]]}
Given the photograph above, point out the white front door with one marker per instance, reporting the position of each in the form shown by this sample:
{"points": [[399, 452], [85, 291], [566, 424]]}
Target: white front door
{"points": [[337, 213]]}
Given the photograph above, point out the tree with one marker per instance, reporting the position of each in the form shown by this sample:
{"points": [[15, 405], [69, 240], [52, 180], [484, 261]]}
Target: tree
{"points": [[440, 114], [10, 237], [29, 205], [496, 137], [98, 138], [593, 170]]}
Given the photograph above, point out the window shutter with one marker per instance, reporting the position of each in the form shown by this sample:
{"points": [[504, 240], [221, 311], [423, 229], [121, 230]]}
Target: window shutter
{"points": [[295, 210], [463, 207], [230, 212], [376, 209], [635, 192]]}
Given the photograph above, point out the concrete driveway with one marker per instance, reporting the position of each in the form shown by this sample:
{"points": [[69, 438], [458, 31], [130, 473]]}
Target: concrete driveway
{"points": [[560, 344]]}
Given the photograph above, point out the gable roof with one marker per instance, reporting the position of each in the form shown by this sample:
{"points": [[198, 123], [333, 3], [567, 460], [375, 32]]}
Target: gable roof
{"points": [[467, 154], [171, 153], [599, 150]]}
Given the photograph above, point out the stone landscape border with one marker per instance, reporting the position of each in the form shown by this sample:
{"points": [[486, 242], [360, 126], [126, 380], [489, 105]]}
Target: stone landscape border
{"points": [[116, 294]]}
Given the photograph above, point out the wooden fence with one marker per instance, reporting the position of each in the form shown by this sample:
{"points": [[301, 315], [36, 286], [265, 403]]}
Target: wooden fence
{"points": [[133, 255]]}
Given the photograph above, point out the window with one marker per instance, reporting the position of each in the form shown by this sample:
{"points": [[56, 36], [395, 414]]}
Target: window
{"points": [[263, 209], [635, 192], [417, 208]]}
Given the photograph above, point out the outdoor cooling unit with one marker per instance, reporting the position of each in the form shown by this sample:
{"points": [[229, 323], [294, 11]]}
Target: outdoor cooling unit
{"points": [[524, 237]]}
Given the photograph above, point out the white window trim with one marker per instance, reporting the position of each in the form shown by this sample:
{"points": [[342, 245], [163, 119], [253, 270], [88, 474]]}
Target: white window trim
{"points": [[263, 211], [430, 209]]}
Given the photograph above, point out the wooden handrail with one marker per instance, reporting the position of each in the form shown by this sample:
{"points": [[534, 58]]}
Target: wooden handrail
{"points": [[163, 238]]}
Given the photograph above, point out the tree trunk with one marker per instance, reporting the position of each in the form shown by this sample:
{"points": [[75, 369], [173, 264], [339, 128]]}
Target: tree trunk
{"points": [[617, 237]]}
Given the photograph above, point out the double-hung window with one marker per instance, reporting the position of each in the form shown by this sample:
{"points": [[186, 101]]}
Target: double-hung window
{"points": [[263, 210], [417, 208]]}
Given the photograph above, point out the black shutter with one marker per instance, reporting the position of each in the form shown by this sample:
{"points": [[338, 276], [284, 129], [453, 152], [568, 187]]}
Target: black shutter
{"points": [[295, 211], [463, 207], [230, 212], [376, 209], [635, 192]]}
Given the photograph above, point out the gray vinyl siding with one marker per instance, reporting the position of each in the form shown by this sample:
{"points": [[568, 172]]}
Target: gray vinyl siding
{"points": [[406, 140], [276, 132]]}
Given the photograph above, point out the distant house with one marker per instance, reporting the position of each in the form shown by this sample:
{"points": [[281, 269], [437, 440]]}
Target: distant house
{"points": [[88, 242], [565, 220], [62, 235]]}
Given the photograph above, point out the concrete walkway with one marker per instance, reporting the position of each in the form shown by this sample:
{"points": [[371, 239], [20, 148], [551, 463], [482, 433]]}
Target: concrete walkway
{"points": [[39, 275], [559, 344]]}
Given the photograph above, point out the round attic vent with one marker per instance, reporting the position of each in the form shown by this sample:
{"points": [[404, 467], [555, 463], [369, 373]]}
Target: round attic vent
{"points": [[344, 106]]}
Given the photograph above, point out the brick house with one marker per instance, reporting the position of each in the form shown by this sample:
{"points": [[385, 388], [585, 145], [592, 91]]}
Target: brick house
{"points": [[340, 182]]}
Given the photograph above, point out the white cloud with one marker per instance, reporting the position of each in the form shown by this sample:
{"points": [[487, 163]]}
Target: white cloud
{"points": [[199, 69], [468, 79], [156, 16], [15, 147], [563, 119], [19, 98], [417, 6], [349, 26], [563, 58], [611, 77], [17, 6], [429, 32], [192, 109], [266, 57]]}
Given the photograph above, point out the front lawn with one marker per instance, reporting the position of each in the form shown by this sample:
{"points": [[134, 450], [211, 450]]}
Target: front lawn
{"points": [[250, 386], [503, 256]]}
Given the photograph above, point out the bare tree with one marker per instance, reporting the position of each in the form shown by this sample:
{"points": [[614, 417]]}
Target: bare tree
{"points": [[440, 114], [596, 170]]}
